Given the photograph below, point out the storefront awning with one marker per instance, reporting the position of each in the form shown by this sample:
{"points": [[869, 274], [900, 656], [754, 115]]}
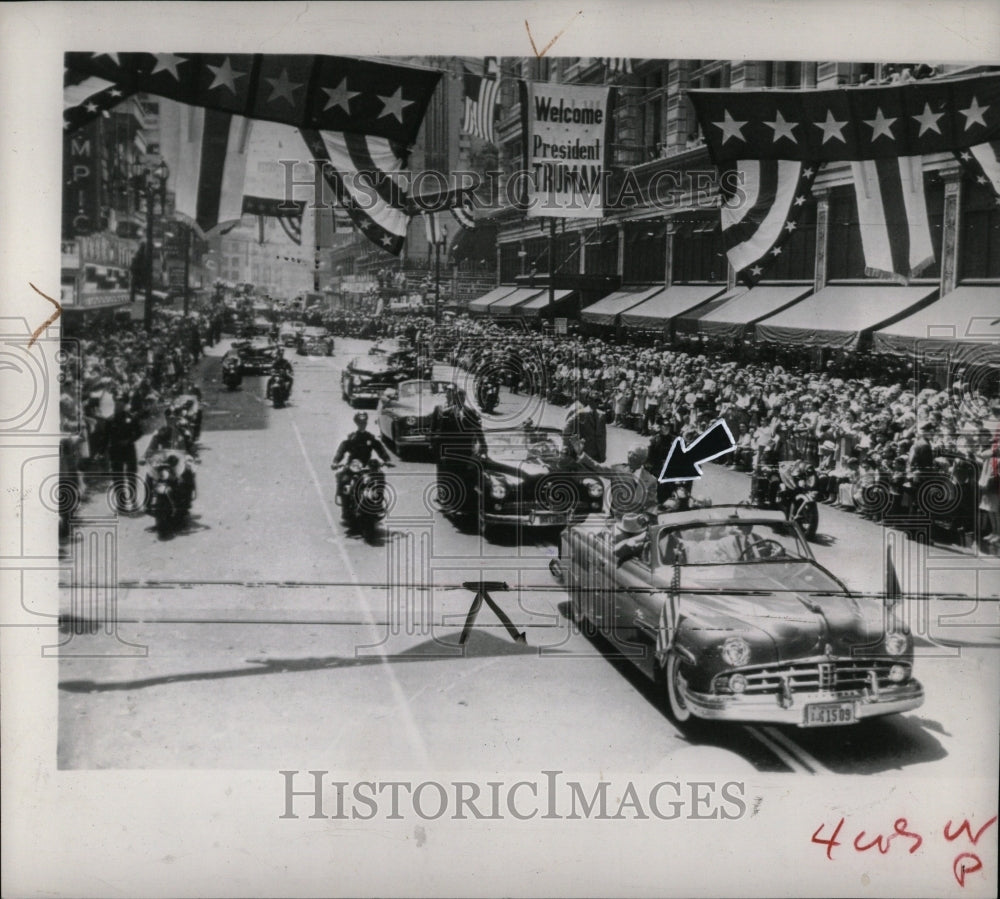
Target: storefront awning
{"points": [[508, 305], [839, 316], [479, 306], [968, 316], [733, 313], [540, 303], [606, 311], [658, 310]]}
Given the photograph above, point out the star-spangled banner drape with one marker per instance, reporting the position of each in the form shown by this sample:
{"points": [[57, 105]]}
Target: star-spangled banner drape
{"points": [[329, 93], [882, 130]]}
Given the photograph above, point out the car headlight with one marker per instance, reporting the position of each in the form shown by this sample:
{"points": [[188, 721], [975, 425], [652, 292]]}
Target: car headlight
{"points": [[738, 683], [896, 643], [594, 487], [899, 673], [736, 651], [498, 489], [411, 420]]}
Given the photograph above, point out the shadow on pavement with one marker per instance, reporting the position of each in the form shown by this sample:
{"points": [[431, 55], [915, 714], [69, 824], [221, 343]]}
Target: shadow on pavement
{"points": [[479, 645]]}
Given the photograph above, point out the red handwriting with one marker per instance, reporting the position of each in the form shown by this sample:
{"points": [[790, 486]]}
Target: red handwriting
{"points": [[965, 863]]}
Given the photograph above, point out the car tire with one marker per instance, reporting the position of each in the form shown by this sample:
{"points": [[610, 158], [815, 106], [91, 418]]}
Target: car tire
{"points": [[584, 625], [672, 674]]}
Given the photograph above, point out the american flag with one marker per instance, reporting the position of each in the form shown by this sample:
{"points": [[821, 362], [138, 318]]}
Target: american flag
{"points": [[481, 92]]}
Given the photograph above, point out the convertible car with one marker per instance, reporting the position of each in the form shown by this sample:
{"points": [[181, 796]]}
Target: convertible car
{"points": [[257, 355], [728, 611], [404, 414], [521, 479]]}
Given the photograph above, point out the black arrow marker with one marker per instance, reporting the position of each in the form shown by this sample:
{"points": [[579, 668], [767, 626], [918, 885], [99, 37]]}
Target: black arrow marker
{"points": [[684, 462]]}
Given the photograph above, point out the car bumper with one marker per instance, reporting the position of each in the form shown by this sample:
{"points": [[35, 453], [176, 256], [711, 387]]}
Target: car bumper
{"points": [[413, 438], [536, 519], [769, 710]]}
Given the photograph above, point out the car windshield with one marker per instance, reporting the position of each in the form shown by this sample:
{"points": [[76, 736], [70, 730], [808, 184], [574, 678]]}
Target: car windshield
{"points": [[409, 390], [731, 543], [523, 445]]}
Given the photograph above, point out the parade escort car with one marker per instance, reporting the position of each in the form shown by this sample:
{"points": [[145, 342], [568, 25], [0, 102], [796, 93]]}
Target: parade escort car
{"points": [[315, 340], [522, 479], [256, 355], [405, 414], [729, 612], [366, 377]]}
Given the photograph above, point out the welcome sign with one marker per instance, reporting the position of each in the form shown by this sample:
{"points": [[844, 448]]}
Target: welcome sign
{"points": [[567, 132]]}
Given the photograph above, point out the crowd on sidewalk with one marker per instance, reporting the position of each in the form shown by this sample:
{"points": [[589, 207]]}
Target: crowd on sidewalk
{"points": [[118, 382], [881, 440]]}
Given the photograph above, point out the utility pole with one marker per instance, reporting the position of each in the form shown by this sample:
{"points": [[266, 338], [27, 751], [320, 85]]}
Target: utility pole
{"points": [[187, 269]]}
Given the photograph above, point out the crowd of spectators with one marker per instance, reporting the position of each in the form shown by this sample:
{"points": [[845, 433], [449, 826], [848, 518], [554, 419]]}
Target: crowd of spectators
{"points": [[881, 441], [116, 382]]}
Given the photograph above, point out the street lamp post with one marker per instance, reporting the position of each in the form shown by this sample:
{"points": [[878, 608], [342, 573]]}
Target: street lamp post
{"points": [[150, 183]]}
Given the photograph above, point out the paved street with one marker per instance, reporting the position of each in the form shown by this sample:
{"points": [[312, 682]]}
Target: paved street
{"points": [[274, 642]]}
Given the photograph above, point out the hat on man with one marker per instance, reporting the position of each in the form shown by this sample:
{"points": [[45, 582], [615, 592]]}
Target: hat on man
{"points": [[632, 523]]}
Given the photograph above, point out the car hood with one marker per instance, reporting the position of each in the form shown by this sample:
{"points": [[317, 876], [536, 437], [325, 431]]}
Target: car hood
{"points": [[800, 608], [421, 408], [527, 470]]}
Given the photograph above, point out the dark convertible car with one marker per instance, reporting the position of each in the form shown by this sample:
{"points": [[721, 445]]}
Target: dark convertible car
{"points": [[405, 413], [729, 612]]}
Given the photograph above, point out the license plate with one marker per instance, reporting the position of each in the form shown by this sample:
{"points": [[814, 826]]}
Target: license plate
{"points": [[827, 714], [548, 518]]}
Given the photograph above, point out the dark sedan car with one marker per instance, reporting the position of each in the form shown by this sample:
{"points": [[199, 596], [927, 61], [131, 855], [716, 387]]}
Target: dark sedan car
{"points": [[366, 378], [315, 341], [405, 414], [728, 611], [522, 478]]}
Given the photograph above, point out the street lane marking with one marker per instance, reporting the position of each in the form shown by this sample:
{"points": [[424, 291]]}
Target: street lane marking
{"points": [[796, 766], [807, 758], [409, 725]]}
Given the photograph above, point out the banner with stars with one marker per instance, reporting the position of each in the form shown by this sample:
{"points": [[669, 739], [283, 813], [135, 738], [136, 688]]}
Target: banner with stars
{"points": [[911, 118], [330, 93], [772, 139]]}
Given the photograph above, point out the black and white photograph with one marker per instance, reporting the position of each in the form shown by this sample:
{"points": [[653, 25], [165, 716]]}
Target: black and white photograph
{"points": [[438, 462]]}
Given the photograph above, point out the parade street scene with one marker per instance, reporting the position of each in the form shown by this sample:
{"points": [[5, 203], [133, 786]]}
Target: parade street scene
{"points": [[608, 414]]}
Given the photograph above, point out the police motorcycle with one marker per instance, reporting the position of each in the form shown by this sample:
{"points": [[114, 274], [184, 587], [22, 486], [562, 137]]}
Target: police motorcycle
{"points": [[232, 371], [170, 489], [281, 388], [791, 488], [361, 494]]}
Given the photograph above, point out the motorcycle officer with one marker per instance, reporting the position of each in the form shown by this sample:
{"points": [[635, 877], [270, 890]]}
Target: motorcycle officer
{"points": [[174, 436], [360, 445], [280, 366]]}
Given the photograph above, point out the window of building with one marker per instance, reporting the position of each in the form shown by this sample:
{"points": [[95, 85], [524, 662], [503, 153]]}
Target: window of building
{"points": [[602, 252], [645, 253], [699, 254], [979, 233]]}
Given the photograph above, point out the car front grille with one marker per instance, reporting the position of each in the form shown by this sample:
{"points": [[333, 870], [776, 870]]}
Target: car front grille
{"points": [[814, 676]]}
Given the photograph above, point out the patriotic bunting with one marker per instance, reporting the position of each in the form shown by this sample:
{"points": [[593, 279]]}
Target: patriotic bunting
{"points": [[763, 201], [773, 138], [206, 152], [330, 93], [85, 98], [982, 162], [363, 173]]}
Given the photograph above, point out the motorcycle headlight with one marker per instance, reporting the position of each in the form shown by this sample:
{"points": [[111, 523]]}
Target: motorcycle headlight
{"points": [[594, 487], [498, 489], [895, 643], [736, 651], [164, 474], [355, 465]]}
